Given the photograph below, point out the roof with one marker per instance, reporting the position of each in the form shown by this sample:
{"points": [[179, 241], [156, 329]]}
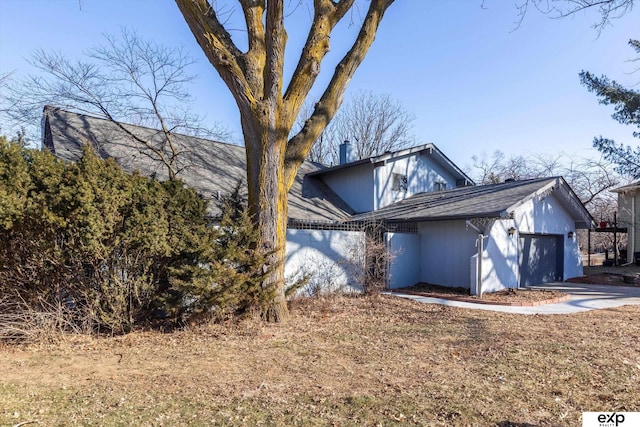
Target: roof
{"points": [[485, 201], [634, 186], [429, 148], [210, 167]]}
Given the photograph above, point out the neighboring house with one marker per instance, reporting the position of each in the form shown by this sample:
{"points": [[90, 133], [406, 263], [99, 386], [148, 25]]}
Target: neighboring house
{"points": [[433, 216], [629, 217]]}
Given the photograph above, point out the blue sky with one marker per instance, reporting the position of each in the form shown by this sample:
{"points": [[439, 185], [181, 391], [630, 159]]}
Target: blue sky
{"points": [[472, 80]]}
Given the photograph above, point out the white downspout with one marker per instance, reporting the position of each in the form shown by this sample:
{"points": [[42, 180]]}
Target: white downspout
{"points": [[480, 246]]}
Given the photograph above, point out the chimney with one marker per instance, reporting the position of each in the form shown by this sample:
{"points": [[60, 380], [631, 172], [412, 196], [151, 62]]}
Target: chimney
{"points": [[346, 152]]}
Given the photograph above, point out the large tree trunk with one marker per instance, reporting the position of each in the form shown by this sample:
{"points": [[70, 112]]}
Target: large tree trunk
{"points": [[268, 110], [268, 202]]}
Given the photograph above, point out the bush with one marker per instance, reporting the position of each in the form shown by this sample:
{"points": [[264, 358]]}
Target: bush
{"points": [[230, 271], [113, 248]]}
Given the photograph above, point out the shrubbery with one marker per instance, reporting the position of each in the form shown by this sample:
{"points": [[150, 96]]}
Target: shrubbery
{"points": [[112, 249]]}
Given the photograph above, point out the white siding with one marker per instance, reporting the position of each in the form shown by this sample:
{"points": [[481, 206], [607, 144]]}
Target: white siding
{"points": [[500, 258], [628, 216], [405, 266], [625, 208], [422, 175], [547, 216], [324, 256], [446, 250], [354, 185]]}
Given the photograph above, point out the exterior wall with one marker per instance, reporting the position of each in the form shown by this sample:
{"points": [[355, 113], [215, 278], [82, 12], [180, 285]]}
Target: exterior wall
{"points": [[326, 257], [629, 217], [625, 208], [500, 257], [354, 185], [545, 215], [422, 174], [405, 269], [446, 248]]}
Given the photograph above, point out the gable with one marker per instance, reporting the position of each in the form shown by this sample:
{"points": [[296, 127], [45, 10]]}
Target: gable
{"points": [[401, 177], [544, 215], [373, 183]]}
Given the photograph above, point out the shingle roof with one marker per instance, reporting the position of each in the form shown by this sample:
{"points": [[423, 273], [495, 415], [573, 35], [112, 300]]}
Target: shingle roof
{"points": [[485, 201], [211, 167], [207, 166]]}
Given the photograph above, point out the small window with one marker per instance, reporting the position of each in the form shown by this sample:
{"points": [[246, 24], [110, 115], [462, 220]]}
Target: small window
{"points": [[399, 182], [440, 186]]}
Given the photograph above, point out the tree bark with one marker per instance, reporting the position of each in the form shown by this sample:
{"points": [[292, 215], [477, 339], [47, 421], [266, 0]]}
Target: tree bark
{"points": [[268, 111], [268, 201]]}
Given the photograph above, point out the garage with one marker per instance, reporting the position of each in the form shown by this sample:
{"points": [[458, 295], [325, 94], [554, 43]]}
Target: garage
{"points": [[540, 259]]}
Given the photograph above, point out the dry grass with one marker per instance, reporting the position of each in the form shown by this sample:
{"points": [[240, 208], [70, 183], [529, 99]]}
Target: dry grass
{"points": [[22, 322], [339, 361]]}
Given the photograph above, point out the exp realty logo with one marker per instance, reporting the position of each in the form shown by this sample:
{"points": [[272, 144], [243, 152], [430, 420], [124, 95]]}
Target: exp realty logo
{"points": [[610, 419]]}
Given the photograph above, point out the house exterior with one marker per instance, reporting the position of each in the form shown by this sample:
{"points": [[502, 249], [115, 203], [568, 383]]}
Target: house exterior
{"points": [[435, 220], [629, 216], [523, 232]]}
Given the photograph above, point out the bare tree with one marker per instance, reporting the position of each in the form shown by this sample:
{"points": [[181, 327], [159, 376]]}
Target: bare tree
{"points": [[607, 9], [372, 123], [588, 177], [123, 80], [269, 106], [5, 104], [498, 167]]}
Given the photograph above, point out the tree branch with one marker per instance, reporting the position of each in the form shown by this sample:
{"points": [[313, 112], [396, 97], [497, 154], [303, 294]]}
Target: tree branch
{"points": [[217, 45], [326, 15], [255, 57], [608, 9], [276, 40], [326, 108]]}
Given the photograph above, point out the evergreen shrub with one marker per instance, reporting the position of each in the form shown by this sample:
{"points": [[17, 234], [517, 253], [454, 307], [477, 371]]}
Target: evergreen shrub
{"points": [[115, 249]]}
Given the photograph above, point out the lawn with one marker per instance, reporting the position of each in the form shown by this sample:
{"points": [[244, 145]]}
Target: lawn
{"points": [[338, 361]]}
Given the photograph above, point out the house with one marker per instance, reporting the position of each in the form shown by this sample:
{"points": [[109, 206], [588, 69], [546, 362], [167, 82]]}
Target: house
{"points": [[629, 217], [318, 237], [434, 218], [523, 232]]}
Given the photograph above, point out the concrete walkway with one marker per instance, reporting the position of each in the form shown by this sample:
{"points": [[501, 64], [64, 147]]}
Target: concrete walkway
{"points": [[583, 298]]}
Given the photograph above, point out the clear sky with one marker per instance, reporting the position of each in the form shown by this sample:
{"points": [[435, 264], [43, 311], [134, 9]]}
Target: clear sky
{"points": [[472, 80]]}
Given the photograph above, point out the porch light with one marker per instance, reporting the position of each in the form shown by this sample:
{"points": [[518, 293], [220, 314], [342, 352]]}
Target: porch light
{"points": [[570, 234], [512, 231]]}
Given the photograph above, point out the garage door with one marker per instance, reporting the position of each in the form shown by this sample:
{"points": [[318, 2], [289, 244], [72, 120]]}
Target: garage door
{"points": [[541, 259]]}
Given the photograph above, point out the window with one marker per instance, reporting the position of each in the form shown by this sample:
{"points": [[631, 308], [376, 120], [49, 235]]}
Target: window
{"points": [[440, 186], [399, 182]]}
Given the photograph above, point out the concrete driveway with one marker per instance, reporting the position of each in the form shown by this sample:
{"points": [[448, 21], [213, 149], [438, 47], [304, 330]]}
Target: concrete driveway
{"points": [[583, 298]]}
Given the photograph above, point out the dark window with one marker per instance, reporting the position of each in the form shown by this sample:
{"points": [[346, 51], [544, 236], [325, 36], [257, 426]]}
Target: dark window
{"points": [[399, 182], [440, 186]]}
